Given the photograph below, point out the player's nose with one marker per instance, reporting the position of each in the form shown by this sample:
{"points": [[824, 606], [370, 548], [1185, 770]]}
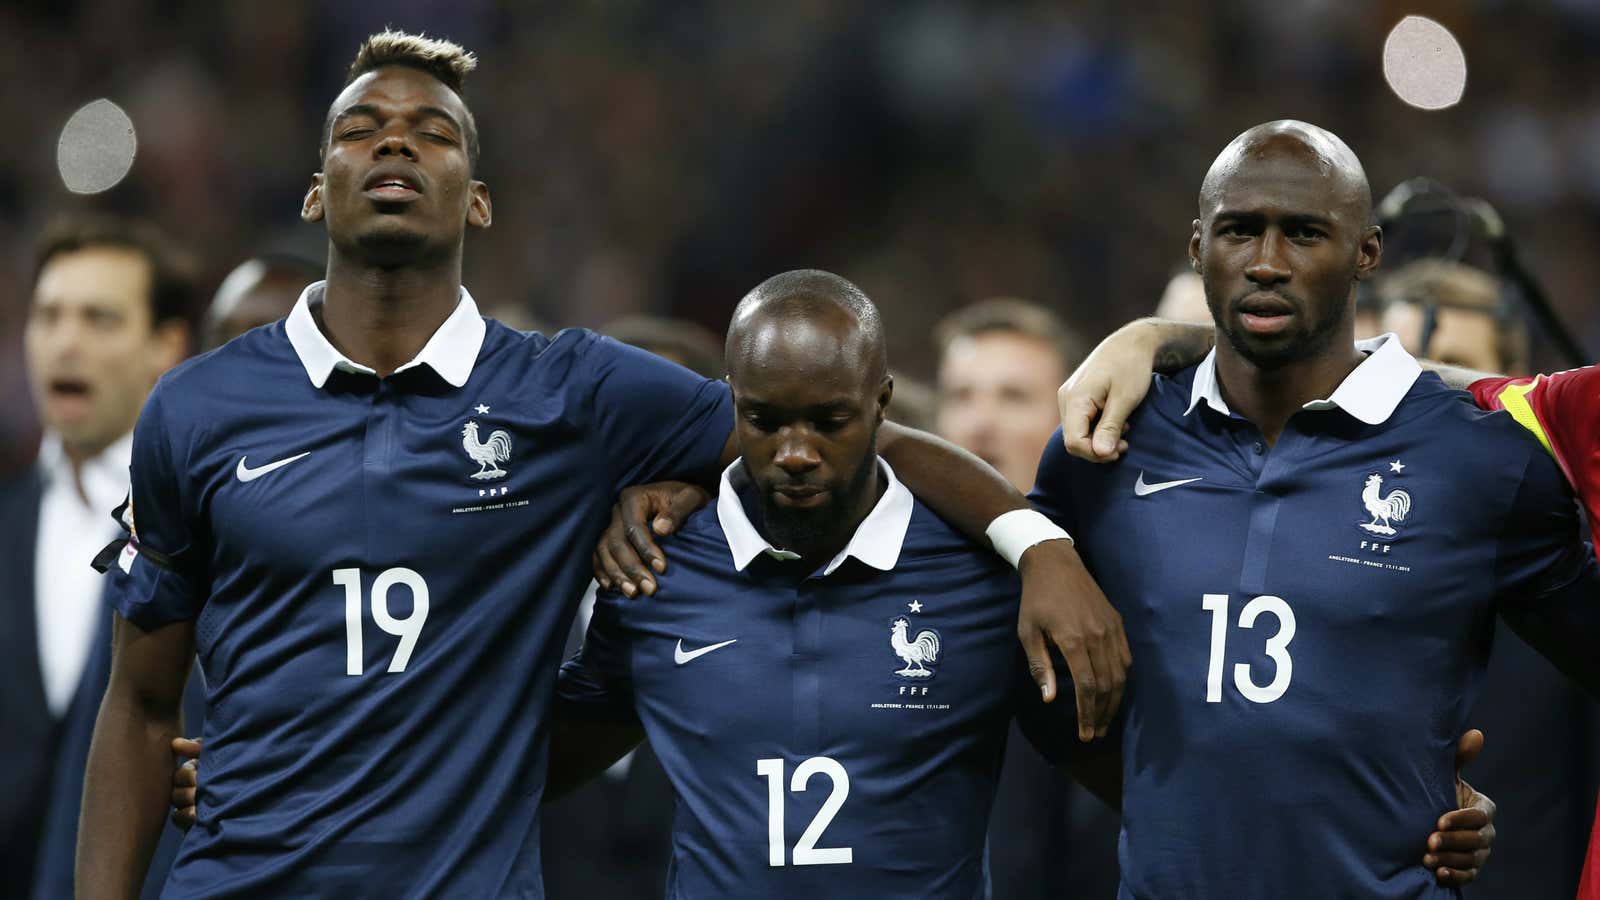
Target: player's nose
{"points": [[796, 455], [394, 144], [1269, 264]]}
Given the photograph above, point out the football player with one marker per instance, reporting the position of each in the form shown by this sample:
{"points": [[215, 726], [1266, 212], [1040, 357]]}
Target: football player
{"points": [[1331, 523]]}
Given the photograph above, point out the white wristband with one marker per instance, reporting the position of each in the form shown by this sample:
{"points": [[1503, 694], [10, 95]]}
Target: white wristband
{"points": [[1014, 532]]}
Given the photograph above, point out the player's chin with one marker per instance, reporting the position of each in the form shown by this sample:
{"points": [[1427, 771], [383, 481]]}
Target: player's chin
{"points": [[1270, 351], [794, 525], [396, 236]]}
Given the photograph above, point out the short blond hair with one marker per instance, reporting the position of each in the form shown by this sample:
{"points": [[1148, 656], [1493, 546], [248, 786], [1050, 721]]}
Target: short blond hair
{"points": [[446, 61]]}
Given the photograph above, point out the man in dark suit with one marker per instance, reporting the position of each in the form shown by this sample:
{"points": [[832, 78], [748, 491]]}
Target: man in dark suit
{"points": [[107, 317], [260, 290]]}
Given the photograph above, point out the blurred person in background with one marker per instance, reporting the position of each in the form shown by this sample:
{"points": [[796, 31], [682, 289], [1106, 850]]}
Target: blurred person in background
{"points": [[1539, 757], [107, 317], [259, 291], [1470, 320], [1184, 299], [1000, 363]]}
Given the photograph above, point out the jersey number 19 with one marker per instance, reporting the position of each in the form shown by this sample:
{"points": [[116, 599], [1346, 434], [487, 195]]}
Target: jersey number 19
{"points": [[407, 629]]}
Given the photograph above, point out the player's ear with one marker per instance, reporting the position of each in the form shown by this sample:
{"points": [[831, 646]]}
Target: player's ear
{"points": [[1369, 251], [885, 394], [311, 207], [1194, 246], [480, 212]]}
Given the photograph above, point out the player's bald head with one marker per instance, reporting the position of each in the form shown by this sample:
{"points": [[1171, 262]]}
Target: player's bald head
{"points": [[807, 316], [1294, 150]]}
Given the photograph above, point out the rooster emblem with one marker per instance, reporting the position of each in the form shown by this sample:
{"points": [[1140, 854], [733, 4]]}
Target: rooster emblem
{"points": [[487, 454], [1396, 506], [916, 654]]}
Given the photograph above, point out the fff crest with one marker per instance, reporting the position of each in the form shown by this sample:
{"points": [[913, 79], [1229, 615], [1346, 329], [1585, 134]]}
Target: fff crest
{"points": [[918, 653], [1385, 509], [488, 454]]}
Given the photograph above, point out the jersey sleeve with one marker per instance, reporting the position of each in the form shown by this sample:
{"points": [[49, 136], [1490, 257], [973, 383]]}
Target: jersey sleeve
{"points": [[1561, 410], [655, 419], [1052, 484], [161, 577], [596, 685]]}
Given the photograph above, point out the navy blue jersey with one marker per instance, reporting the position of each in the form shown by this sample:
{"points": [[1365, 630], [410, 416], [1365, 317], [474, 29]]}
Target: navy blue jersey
{"points": [[381, 573], [1309, 622], [829, 732]]}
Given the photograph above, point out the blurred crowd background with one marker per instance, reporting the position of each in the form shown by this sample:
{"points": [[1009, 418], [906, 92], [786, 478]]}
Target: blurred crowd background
{"points": [[1009, 181], [665, 157]]}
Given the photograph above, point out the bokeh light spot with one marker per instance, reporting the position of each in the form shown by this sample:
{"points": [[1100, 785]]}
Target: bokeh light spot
{"points": [[1424, 64], [96, 149]]}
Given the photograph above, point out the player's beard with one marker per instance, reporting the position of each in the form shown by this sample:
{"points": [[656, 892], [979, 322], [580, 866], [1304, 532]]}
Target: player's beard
{"points": [[806, 529], [388, 241], [1271, 353], [394, 247]]}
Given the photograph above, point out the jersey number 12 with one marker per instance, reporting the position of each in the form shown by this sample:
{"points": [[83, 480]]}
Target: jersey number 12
{"points": [[407, 629], [806, 852]]}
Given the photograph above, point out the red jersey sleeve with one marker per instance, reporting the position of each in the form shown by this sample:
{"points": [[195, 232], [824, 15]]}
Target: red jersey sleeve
{"points": [[1563, 412]]}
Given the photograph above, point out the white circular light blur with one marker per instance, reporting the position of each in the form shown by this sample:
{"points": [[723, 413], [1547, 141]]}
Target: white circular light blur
{"points": [[1424, 64], [96, 148]]}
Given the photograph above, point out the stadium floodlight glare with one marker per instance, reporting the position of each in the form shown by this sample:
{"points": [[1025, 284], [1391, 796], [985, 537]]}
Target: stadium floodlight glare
{"points": [[96, 148], [1424, 64]]}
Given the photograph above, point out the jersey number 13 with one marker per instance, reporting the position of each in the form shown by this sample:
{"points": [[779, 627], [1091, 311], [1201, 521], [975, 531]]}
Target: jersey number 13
{"points": [[1277, 648]]}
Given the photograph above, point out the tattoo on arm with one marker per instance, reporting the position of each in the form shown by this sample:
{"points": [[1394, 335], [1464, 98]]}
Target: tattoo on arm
{"points": [[1183, 346]]}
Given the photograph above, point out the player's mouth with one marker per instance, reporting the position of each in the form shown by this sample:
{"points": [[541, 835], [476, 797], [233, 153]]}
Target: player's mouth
{"points": [[1265, 313], [391, 186], [799, 497], [69, 398]]}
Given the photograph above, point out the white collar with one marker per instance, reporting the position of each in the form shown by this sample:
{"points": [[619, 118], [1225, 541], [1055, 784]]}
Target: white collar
{"points": [[1370, 393], [877, 540], [451, 352], [104, 476]]}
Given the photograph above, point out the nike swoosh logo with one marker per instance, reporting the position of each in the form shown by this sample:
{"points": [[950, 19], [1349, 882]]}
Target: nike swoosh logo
{"points": [[245, 473], [1140, 489], [680, 657]]}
